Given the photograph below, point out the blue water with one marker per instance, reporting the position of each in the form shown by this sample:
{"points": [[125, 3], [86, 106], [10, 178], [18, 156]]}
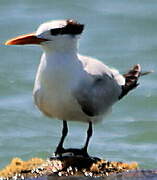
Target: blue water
{"points": [[121, 34]]}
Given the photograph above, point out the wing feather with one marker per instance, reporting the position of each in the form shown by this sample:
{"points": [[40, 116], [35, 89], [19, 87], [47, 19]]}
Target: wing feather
{"points": [[99, 91]]}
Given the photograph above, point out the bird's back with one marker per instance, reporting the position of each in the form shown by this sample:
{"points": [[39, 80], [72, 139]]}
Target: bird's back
{"points": [[97, 96]]}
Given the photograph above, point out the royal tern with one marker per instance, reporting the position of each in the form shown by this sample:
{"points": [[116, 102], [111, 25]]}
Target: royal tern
{"points": [[72, 87]]}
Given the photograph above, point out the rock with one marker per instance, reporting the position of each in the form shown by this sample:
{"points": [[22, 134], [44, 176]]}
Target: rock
{"points": [[73, 167]]}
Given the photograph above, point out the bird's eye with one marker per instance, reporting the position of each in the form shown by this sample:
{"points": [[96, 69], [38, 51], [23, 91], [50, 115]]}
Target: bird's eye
{"points": [[55, 31]]}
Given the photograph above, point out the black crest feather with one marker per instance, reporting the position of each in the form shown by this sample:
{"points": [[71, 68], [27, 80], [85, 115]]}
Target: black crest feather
{"points": [[72, 27]]}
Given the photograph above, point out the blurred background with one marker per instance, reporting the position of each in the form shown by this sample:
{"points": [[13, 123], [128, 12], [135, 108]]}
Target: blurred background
{"points": [[121, 34]]}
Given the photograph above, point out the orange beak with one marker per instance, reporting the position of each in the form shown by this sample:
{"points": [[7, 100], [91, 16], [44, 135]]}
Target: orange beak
{"points": [[25, 39]]}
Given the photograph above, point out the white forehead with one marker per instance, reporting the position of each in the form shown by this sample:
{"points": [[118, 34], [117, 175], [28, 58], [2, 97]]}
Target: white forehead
{"points": [[51, 25]]}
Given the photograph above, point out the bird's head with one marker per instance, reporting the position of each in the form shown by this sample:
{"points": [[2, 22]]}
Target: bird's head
{"points": [[57, 35]]}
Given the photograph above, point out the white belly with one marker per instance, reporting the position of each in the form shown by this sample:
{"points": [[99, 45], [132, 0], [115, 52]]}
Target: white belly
{"points": [[63, 106], [53, 92], [58, 104]]}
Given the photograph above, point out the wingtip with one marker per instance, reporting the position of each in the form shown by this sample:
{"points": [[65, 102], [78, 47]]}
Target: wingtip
{"points": [[146, 72]]}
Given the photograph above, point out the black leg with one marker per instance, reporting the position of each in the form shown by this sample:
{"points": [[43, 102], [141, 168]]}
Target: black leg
{"points": [[83, 152], [89, 134], [60, 149]]}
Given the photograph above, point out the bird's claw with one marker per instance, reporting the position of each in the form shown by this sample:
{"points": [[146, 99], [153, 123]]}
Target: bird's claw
{"points": [[71, 152]]}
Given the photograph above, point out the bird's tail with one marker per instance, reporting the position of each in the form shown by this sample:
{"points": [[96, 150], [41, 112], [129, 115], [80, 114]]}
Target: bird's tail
{"points": [[131, 79]]}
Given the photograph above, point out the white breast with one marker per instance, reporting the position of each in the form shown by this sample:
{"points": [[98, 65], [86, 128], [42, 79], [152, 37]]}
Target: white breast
{"points": [[54, 85]]}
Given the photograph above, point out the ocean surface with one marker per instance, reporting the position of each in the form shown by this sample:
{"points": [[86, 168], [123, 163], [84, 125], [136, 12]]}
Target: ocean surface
{"points": [[120, 33]]}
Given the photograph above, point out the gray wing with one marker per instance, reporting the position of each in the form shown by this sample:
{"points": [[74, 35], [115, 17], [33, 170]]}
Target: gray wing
{"points": [[131, 80], [93, 97], [99, 90]]}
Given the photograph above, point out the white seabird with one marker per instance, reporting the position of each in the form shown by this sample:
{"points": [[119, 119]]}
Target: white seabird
{"points": [[72, 87]]}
